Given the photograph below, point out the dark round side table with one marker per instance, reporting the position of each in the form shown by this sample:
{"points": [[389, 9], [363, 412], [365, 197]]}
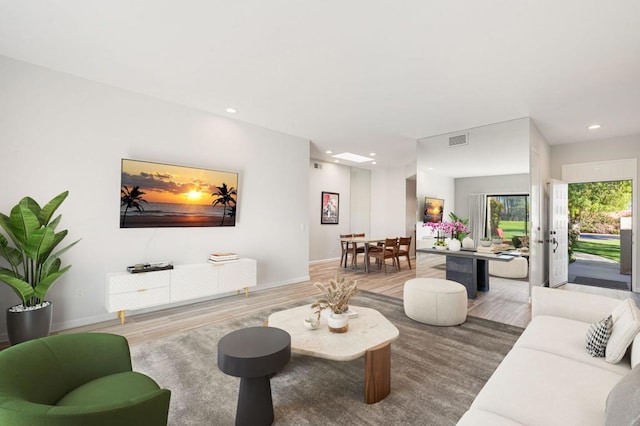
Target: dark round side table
{"points": [[254, 354]]}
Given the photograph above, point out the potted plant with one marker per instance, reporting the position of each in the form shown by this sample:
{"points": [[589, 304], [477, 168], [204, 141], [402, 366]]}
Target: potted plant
{"points": [[496, 239], [440, 245], [485, 242], [336, 297], [33, 266]]}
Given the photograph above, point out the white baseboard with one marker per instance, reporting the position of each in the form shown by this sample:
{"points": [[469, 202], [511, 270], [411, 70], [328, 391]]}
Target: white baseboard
{"points": [[314, 262]]}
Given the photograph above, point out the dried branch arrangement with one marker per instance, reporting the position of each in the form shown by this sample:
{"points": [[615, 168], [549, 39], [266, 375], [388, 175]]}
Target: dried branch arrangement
{"points": [[336, 295]]}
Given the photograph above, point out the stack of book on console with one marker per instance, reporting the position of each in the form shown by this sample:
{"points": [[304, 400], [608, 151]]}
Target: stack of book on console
{"points": [[493, 249], [223, 257]]}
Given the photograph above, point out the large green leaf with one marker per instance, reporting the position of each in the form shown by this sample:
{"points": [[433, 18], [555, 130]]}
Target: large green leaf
{"points": [[43, 286], [23, 221], [5, 223], [54, 223], [47, 264], [48, 210], [10, 254], [40, 241], [31, 204], [57, 238], [52, 267], [22, 288], [8, 272]]}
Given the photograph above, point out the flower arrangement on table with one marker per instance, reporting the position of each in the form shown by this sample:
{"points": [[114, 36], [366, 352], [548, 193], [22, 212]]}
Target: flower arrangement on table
{"points": [[456, 227], [336, 295]]}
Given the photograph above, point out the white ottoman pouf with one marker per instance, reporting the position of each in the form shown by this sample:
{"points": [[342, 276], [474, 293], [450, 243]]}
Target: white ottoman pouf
{"points": [[435, 301], [516, 268]]}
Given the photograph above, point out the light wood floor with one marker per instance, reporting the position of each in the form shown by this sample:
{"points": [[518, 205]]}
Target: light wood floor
{"points": [[507, 300]]}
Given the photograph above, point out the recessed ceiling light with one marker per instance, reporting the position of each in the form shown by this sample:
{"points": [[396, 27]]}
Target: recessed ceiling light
{"points": [[374, 163], [231, 110], [336, 161], [353, 157], [328, 151], [372, 154], [594, 126]]}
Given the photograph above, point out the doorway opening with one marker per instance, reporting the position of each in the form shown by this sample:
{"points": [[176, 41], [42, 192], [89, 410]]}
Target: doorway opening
{"points": [[600, 233]]}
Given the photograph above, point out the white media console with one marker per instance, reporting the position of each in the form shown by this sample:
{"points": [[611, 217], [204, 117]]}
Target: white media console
{"points": [[126, 291]]}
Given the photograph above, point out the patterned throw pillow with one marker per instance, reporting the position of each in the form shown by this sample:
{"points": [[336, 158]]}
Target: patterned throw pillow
{"points": [[598, 335]]}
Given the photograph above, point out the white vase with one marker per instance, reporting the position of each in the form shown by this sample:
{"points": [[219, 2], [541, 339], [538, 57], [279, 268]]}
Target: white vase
{"points": [[338, 323], [467, 243], [455, 245]]}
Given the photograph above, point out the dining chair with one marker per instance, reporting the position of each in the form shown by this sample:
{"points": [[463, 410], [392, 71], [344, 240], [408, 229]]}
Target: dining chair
{"points": [[356, 250], [343, 247], [386, 251], [404, 243]]}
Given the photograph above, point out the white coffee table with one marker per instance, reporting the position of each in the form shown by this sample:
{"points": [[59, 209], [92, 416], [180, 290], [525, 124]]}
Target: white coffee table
{"points": [[370, 334]]}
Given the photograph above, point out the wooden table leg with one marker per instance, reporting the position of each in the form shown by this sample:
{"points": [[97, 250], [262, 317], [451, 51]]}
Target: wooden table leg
{"points": [[366, 258], [377, 373], [346, 254]]}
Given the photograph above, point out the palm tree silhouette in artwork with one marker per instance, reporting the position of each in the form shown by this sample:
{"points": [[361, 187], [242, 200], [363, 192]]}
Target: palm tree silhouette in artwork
{"points": [[131, 199], [224, 196]]}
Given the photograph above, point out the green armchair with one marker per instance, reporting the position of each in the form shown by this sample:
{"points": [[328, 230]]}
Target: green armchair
{"points": [[77, 379]]}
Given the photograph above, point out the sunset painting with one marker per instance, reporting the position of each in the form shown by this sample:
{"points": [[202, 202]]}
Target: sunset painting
{"points": [[433, 210], [154, 195]]}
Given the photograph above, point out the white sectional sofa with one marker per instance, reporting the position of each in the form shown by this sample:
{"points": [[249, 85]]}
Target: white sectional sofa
{"points": [[548, 378]]}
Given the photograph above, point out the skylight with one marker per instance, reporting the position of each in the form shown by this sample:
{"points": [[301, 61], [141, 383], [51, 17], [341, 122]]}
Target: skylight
{"points": [[353, 157]]}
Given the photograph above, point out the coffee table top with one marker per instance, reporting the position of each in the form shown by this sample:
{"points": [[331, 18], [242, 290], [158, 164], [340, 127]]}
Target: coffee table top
{"points": [[366, 331]]}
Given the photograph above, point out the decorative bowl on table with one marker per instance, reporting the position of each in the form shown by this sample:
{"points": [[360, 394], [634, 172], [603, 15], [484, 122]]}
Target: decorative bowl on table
{"points": [[485, 243], [497, 241], [311, 323]]}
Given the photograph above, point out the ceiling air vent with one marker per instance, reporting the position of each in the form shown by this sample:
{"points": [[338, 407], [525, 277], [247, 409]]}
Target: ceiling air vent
{"points": [[459, 140]]}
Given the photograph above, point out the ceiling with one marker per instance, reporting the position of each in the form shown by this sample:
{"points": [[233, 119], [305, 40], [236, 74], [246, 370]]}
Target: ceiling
{"points": [[359, 75]]}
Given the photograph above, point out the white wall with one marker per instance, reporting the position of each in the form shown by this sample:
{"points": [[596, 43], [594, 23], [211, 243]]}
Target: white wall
{"points": [[494, 149], [360, 201], [434, 186], [589, 152], [538, 249], [388, 202], [325, 239], [60, 132]]}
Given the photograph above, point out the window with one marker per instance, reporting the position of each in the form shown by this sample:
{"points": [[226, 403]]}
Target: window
{"points": [[507, 216]]}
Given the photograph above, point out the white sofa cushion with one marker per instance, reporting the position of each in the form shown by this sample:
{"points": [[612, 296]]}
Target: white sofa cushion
{"points": [[564, 337], [485, 418], [575, 305], [626, 324], [534, 387], [635, 352]]}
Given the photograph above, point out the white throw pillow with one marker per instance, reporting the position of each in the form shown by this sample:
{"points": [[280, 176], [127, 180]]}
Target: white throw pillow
{"points": [[626, 324]]}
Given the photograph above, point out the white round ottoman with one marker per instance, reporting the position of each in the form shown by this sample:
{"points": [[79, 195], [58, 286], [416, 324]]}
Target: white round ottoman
{"points": [[516, 268], [435, 301]]}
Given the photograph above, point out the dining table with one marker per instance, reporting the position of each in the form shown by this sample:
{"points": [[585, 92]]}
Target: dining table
{"points": [[366, 241], [469, 267]]}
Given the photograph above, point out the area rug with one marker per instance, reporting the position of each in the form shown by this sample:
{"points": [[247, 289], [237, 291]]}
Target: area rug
{"points": [[436, 372], [598, 282]]}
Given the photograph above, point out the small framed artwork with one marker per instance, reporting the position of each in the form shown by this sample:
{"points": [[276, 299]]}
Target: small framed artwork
{"points": [[330, 208], [433, 210]]}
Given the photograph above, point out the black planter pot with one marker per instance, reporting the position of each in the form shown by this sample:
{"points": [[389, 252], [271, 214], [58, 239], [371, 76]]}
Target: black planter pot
{"points": [[29, 325]]}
